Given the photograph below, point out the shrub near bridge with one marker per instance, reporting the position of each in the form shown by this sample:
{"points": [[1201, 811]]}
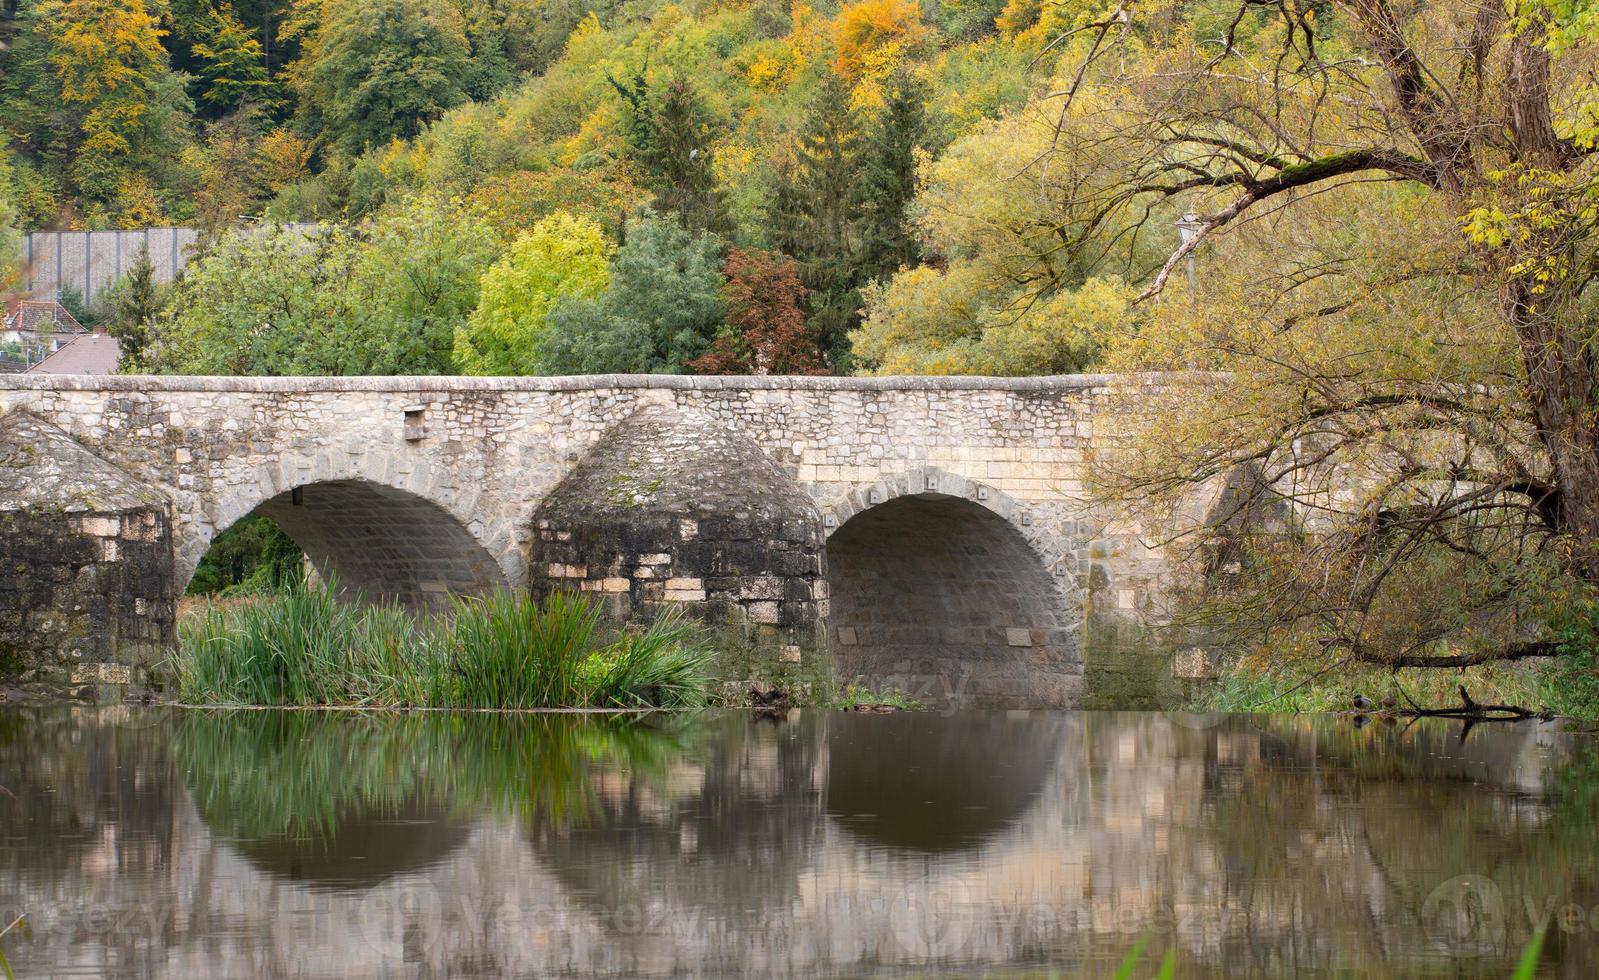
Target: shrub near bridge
{"points": [[508, 650]]}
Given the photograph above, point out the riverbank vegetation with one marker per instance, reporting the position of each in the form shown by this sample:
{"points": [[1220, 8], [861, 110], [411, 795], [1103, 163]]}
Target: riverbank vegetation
{"points": [[312, 646]]}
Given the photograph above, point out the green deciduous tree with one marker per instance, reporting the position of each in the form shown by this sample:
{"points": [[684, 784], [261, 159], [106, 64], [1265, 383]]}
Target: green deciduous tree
{"points": [[385, 298], [380, 70], [561, 256], [660, 311]]}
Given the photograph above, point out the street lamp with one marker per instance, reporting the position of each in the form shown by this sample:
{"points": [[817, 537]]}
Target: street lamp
{"points": [[1190, 226]]}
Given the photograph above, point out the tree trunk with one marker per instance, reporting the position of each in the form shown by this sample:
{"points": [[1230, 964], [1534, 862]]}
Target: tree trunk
{"points": [[1562, 388]]}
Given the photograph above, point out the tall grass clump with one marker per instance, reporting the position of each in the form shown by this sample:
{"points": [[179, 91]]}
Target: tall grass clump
{"points": [[311, 646], [513, 651]]}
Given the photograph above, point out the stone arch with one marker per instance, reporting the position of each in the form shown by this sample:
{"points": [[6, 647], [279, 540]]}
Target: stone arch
{"points": [[382, 532], [936, 587]]}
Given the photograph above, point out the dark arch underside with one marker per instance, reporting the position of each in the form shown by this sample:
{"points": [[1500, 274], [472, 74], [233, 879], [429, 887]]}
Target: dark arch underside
{"points": [[944, 598], [384, 543]]}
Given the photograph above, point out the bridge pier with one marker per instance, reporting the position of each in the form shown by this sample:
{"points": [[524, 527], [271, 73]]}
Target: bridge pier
{"points": [[86, 565]]}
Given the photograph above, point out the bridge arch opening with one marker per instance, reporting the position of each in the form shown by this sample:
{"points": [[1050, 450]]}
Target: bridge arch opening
{"points": [[383, 543], [943, 598]]}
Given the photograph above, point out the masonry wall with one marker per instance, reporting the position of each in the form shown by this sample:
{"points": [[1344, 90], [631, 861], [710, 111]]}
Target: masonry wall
{"points": [[85, 598]]}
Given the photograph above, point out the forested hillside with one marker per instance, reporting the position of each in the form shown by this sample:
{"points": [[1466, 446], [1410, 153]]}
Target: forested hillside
{"points": [[531, 186]]}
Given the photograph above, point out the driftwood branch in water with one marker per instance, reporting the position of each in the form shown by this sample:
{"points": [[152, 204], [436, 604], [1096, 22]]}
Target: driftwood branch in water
{"points": [[1470, 710]]}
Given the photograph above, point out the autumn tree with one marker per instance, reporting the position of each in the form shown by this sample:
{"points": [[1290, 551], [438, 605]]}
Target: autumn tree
{"points": [[764, 329], [113, 76], [10, 235], [1405, 370]]}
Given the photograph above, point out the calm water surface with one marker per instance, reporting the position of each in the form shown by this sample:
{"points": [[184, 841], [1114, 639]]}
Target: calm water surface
{"points": [[269, 844]]}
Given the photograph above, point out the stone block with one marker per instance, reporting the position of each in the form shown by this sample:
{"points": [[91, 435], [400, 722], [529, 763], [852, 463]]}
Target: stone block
{"points": [[100, 527], [1018, 637]]}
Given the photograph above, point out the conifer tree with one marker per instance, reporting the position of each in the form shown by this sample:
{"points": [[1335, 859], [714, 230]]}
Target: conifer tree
{"points": [[670, 135], [887, 182], [137, 300], [817, 212], [232, 67]]}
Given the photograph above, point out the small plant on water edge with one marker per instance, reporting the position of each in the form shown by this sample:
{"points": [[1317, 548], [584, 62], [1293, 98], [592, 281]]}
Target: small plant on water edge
{"points": [[852, 696], [311, 646], [1526, 966]]}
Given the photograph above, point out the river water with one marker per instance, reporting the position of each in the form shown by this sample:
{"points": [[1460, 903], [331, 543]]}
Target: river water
{"points": [[159, 842]]}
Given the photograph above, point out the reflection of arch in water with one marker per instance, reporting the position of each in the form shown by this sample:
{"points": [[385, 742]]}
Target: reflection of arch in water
{"points": [[383, 542], [932, 783], [363, 847], [944, 597]]}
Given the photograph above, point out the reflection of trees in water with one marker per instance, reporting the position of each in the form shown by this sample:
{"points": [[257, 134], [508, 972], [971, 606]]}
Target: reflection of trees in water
{"points": [[344, 799], [1325, 841], [1283, 846]]}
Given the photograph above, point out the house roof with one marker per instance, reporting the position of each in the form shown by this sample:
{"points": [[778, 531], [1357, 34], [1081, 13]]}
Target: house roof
{"points": [[28, 315], [91, 353]]}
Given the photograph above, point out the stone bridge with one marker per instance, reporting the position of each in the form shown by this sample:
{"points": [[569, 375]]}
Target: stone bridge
{"points": [[922, 527]]}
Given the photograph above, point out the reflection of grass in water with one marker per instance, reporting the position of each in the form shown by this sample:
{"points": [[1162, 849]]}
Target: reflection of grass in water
{"points": [[303, 773]]}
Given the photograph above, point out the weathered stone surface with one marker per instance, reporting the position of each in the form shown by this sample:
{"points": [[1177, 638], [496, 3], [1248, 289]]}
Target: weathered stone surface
{"points": [[86, 576], [689, 504]]}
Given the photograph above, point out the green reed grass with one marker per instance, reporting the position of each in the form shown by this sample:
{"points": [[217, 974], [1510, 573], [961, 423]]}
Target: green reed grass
{"points": [[311, 646]]}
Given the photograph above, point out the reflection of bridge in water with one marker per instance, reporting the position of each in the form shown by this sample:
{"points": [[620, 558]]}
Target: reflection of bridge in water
{"points": [[835, 843]]}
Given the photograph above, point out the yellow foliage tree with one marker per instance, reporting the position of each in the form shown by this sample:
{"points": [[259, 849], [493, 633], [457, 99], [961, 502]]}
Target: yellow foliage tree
{"points": [[108, 58], [872, 32]]}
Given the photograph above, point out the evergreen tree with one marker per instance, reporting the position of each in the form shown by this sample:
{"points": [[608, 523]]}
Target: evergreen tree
{"points": [[887, 183], [817, 211], [670, 135], [232, 67], [660, 311], [136, 301]]}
